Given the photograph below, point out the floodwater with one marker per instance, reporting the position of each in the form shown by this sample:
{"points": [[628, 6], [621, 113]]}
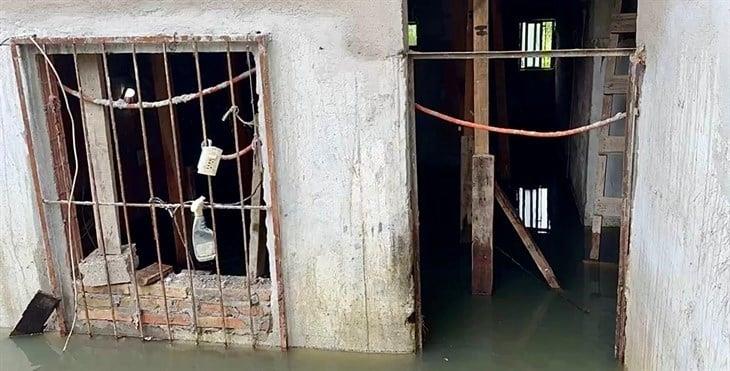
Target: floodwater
{"points": [[523, 326]]}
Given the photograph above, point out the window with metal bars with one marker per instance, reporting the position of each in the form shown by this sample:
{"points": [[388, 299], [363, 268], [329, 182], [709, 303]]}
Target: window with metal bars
{"points": [[537, 36], [123, 123]]}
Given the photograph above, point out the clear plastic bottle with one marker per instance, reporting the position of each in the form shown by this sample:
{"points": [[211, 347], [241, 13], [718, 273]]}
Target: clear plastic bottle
{"points": [[203, 244]]}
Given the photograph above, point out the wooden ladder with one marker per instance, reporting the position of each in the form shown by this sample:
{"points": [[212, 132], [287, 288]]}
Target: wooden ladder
{"points": [[611, 139]]}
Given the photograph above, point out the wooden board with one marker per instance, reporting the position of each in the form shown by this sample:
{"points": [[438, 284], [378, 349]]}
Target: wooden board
{"points": [[99, 142], [526, 238], [482, 270], [35, 315], [481, 75], [151, 274], [172, 165]]}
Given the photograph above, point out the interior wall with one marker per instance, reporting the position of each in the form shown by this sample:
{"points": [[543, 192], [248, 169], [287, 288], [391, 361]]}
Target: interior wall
{"points": [[678, 314], [338, 85], [587, 106]]}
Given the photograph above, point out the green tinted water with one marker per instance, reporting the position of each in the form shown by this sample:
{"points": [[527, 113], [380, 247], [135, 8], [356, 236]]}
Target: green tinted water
{"points": [[523, 327]]}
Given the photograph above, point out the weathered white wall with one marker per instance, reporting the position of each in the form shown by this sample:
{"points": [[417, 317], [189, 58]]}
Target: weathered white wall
{"points": [[679, 262], [339, 99]]}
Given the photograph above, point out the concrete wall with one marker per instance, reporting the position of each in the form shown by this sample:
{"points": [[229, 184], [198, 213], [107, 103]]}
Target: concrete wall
{"points": [[679, 262], [339, 99]]}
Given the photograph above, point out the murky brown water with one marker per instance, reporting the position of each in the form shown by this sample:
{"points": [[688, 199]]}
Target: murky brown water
{"points": [[523, 327]]}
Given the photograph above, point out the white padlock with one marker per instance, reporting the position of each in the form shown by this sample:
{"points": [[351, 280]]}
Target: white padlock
{"points": [[210, 157]]}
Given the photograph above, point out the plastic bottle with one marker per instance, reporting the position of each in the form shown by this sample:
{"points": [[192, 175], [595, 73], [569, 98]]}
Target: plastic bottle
{"points": [[203, 244]]}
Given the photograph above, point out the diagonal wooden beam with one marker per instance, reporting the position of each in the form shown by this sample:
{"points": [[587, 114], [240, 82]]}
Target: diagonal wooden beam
{"points": [[526, 238]]}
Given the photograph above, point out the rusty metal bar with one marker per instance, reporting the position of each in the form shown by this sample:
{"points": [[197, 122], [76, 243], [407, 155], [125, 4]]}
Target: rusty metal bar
{"points": [[153, 210], [157, 39], [235, 124], [176, 151], [73, 252], [122, 192], [263, 66], [210, 195], [36, 185], [517, 54], [92, 182], [157, 205]]}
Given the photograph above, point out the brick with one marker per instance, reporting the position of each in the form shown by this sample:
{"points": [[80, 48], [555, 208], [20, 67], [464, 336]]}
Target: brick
{"points": [[172, 291], [122, 289], [95, 266], [105, 314], [214, 309], [153, 318], [217, 322]]}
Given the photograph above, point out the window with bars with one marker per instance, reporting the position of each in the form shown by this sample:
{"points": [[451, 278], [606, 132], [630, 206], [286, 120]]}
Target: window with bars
{"points": [[537, 36], [532, 205], [128, 121]]}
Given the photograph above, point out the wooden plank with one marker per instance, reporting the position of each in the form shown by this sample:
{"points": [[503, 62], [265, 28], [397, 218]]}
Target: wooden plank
{"points": [[524, 234], [257, 250], [61, 168], [637, 76], [482, 271], [623, 23], [596, 224], [481, 75], [35, 315], [151, 274], [608, 206], [172, 167], [616, 85], [91, 78], [611, 144]]}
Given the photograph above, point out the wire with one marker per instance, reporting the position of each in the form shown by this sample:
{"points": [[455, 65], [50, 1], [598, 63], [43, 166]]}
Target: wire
{"points": [[526, 133], [560, 292], [73, 186]]}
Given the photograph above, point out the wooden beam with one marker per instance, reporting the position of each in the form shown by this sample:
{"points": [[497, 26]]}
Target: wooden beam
{"points": [[481, 75], [526, 238], [99, 139], [482, 203], [257, 250], [172, 167], [467, 134], [151, 274], [482, 271], [638, 67], [596, 224], [61, 168]]}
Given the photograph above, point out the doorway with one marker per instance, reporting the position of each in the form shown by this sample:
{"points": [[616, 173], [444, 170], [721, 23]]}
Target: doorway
{"points": [[523, 323]]}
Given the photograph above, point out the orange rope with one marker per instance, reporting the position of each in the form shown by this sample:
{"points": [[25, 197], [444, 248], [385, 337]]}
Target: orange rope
{"points": [[527, 133]]}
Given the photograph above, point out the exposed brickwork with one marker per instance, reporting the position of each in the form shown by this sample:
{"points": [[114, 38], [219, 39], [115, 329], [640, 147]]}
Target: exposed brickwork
{"points": [[180, 307]]}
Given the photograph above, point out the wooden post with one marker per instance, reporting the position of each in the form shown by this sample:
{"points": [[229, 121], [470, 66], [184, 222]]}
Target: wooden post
{"points": [[172, 167], [256, 254], [481, 75], [527, 240], [638, 67], [467, 134], [91, 77], [482, 163], [483, 213]]}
